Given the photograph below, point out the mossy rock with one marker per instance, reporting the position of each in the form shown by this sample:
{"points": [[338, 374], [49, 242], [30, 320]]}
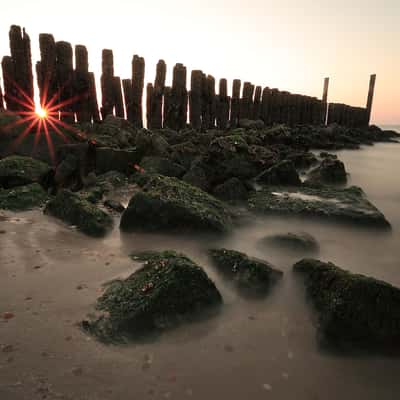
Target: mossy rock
{"points": [[231, 190], [75, 210], [353, 309], [19, 171], [169, 289], [252, 276], [294, 242], [282, 173], [162, 166], [170, 204], [23, 198], [346, 205]]}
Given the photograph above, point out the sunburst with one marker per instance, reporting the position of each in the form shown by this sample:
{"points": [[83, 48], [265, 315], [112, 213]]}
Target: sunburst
{"points": [[43, 119]]}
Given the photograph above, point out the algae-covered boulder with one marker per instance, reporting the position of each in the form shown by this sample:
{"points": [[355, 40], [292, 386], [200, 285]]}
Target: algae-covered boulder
{"points": [[295, 242], [251, 275], [352, 308], [168, 289], [283, 173], [170, 204], [19, 170], [162, 165], [346, 205], [329, 171], [23, 198], [231, 190], [75, 210]]}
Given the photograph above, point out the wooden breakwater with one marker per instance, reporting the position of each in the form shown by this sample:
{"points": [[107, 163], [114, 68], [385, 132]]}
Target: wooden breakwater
{"points": [[73, 91]]}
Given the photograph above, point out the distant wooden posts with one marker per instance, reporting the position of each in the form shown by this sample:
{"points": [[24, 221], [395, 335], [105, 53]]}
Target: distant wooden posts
{"points": [[246, 102], [17, 72], [265, 105], [107, 83], [118, 102], [176, 100], [1, 99], [82, 85], [370, 98], [256, 109], [235, 103], [222, 105], [138, 67], [195, 99], [149, 104], [325, 101], [155, 117]]}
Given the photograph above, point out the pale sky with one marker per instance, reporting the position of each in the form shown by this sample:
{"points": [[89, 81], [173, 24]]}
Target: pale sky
{"points": [[288, 44]]}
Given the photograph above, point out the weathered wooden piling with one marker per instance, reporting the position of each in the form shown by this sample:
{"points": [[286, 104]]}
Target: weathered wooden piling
{"points": [[265, 105], [82, 84], [138, 68], [156, 117], [65, 80], [195, 99], [211, 102], [235, 103], [46, 69], [10, 90], [222, 105], [325, 101], [1, 99], [107, 83], [256, 109], [246, 101], [175, 100], [20, 47], [127, 88], [149, 104], [370, 98], [118, 101], [93, 103]]}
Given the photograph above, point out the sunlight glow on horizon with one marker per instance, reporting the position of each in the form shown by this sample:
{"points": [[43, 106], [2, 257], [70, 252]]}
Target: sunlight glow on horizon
{"points": [[269, 43]]}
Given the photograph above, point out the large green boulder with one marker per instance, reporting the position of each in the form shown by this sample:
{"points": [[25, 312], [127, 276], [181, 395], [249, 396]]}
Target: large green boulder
{"points": [[75, 210], [167, 203], [352, 308], [252, 276], [168, 289], [19, 170], [23, 198]]}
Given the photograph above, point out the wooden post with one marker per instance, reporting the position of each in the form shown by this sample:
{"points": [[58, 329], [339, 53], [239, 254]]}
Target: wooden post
{"points": [[325, 101], [235, 103], [370, 97], [195, 97]]}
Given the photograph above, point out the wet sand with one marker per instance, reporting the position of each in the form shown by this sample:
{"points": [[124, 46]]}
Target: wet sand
{"points": [[51, 275]]}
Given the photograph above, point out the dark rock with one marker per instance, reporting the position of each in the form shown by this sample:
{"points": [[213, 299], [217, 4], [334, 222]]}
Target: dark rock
{"points": [[108, 159], [74, 210], [283, 173], [300, 241], [114, 205], [23, 198], [249, 274], [18, 170], [162, 166], [352, 308], [168, 203], [171, 288], [251, 124], [197, 176], [346, 205], [231, 190], [329, 171]]}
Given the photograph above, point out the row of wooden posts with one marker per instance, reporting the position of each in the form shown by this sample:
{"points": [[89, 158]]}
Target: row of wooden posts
{"points": [[73, 92]]}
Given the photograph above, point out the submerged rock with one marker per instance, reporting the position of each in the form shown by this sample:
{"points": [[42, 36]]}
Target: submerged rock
{"points": [[168, 203], [352, 308], [283, 173], [300, 241], [169, 288], [251, 275], [19, 170], [23, 198], [347, 205], [329, 171], [75, 210]]}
